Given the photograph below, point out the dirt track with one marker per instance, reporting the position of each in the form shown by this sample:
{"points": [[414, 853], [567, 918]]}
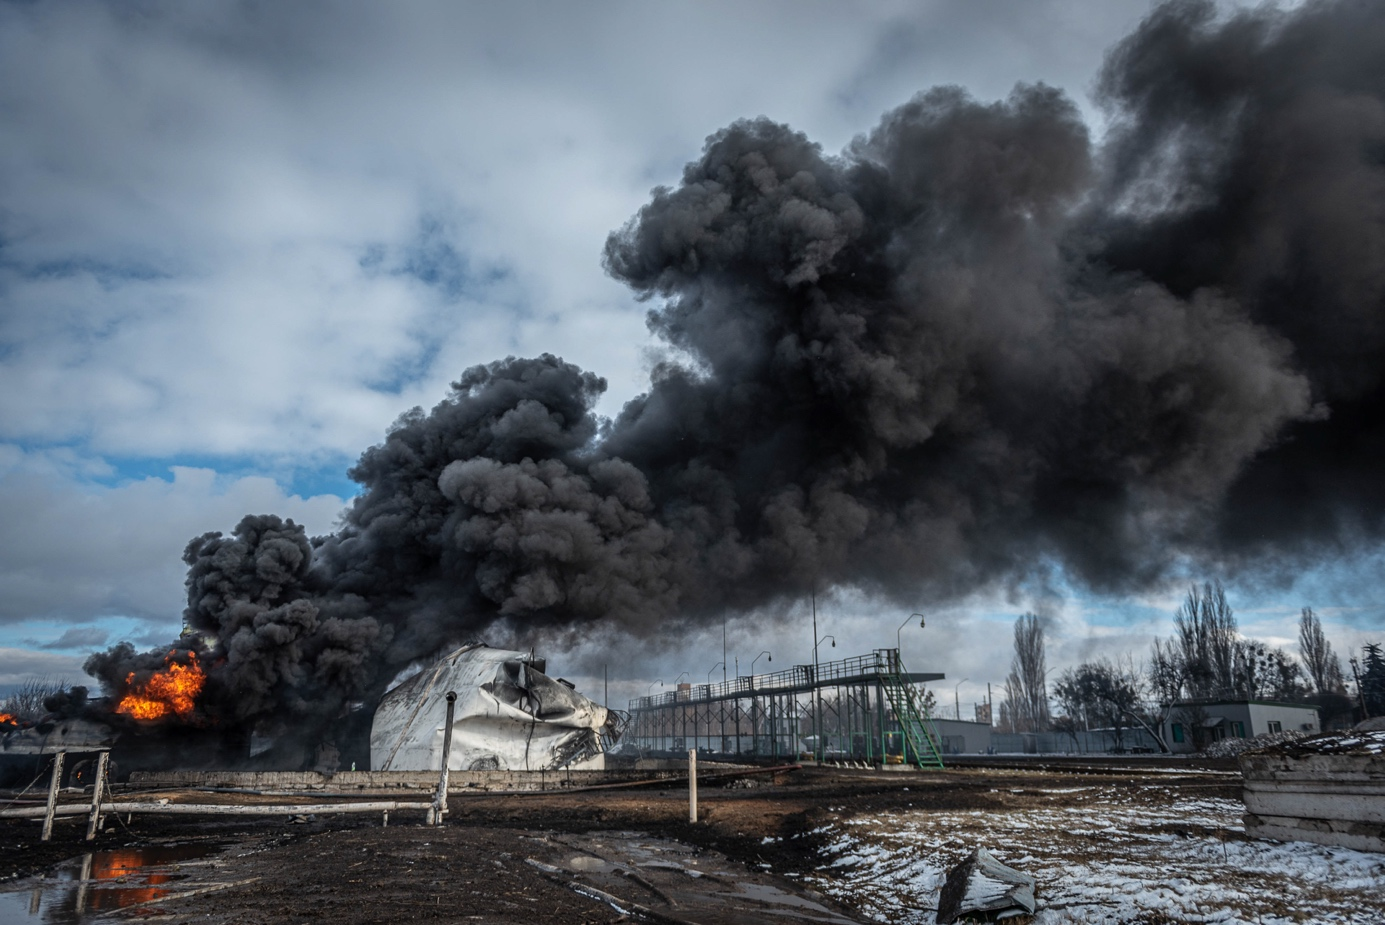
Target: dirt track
{"points": [[539, 858]]}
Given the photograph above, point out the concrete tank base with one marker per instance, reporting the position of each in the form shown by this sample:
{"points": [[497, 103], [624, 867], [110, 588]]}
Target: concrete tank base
{"points": [[1329, 799]]}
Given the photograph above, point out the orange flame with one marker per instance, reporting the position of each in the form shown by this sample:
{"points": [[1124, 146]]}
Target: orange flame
{"points": [[8, 718], [173, 690]]}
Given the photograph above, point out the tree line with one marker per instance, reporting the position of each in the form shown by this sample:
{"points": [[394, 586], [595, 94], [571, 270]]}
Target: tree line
{"points": [[1206, 659]]}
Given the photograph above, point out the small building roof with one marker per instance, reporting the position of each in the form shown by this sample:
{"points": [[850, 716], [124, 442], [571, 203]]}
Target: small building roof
{"points": [[1244, 701]]}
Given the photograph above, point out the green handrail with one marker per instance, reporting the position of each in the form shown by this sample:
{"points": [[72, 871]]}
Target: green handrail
{"points": [[917, 726]]}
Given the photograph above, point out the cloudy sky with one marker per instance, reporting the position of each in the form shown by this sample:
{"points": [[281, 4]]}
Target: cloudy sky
{"points": [[238, 240]]}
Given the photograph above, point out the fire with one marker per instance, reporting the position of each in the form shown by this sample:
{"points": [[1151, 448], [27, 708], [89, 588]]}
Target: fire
{"points": [[8, 718], [173, 690]]}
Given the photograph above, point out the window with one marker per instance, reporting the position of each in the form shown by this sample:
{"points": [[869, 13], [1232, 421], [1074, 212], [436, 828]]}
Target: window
{"points": [[1238, 729], [1178, 732], [1275, 726]]}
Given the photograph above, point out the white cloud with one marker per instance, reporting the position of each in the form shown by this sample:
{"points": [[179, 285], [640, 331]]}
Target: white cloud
{"points": [[189, 193], [21, 666], [72, 550]]}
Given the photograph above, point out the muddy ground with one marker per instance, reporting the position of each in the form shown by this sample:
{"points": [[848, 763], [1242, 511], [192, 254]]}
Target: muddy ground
{"points": [[595, 856]]}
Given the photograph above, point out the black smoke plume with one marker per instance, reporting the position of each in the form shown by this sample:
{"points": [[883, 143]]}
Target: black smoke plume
{"points": [[972, 348]]}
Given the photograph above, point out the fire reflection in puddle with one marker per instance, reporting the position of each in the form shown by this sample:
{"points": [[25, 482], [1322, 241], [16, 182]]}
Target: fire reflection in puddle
{"points": [[80, 891]]}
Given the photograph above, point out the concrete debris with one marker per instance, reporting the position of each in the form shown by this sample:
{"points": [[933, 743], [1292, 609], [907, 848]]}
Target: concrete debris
{"points": [[1357, 741], [1230, 748], [1329, 789], [981, 888], [509, 716]]}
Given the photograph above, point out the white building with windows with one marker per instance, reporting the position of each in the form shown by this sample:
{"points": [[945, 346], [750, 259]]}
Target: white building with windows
{"points": [[1194, 724]]}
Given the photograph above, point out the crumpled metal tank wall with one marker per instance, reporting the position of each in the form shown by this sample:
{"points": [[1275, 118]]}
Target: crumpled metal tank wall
{"points": [[509, 715]]}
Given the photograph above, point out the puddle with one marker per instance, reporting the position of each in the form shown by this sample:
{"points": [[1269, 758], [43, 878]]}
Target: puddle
{"points": [[764, 893], [82, 890], [665, 875]]}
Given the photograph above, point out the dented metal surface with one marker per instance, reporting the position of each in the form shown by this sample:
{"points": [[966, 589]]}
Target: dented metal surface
{"points": [[509, 715]]}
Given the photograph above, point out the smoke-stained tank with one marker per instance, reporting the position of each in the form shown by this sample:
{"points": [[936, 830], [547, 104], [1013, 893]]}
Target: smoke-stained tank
{"points": [[135, 745], [509, 715]]}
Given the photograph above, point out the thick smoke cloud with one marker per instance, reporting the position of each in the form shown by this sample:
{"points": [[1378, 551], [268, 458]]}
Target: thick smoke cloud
{"points": [[1251, 161], [969, 349]]}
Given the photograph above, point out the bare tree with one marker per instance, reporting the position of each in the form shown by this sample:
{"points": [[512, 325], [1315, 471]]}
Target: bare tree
{"points": [[1027, 669], [1205, 636], [1167, 676], [26, 702], [1072, 710], [1010, 707], [1113, 694], [1264, 672], [1319, 661]]}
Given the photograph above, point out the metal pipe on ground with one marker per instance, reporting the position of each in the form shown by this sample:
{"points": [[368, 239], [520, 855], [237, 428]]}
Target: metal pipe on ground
{"points": [[214, 809], [440, 797]]}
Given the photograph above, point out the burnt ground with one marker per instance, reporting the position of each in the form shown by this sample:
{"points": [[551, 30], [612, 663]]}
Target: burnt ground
{"points": [[588, 856]]}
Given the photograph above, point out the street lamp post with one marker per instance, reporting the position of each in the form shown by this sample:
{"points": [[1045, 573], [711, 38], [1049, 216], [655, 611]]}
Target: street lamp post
{"points": [[720, 707], [650, 693], [956, 699], [813, 701], [817, 690], [755, 706], [723, 650], [683, 710], [898, 645]]}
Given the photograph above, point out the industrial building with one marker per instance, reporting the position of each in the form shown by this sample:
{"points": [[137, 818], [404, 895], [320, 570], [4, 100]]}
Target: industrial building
{"points": [[1194, 724]]}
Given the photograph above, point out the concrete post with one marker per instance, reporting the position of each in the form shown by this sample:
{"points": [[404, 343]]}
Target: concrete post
{"points": [[83, 885], [97, 791], [692, 785], [53, 786]]}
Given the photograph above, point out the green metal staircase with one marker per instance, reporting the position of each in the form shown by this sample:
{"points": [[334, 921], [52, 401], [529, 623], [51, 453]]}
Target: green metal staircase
{"points": [[920, 735]]}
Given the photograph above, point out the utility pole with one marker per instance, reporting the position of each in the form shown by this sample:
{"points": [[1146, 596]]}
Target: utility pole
{"points": [[817, 691], [1360, 694]]}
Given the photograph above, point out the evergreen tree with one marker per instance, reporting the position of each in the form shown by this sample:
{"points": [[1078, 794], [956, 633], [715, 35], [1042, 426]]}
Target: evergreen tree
{"points": [[1373, 678]]}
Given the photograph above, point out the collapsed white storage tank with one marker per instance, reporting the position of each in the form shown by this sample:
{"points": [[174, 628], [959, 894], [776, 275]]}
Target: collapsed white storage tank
{"points": [[509, 716]]}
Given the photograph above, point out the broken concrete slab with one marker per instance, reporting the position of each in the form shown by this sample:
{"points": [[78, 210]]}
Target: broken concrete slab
{"points": [[1329, 789], [980, 887]]}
